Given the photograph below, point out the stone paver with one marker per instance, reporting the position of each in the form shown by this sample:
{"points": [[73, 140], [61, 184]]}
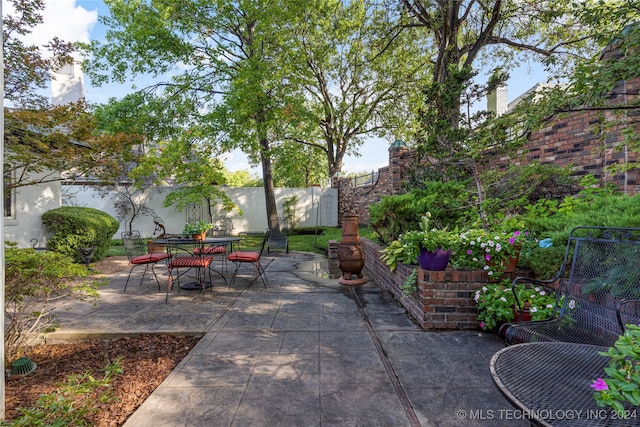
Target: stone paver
{"points": [[307, 351]]}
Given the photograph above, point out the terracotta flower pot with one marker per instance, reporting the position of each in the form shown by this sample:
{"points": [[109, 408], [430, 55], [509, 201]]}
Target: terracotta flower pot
{"points": [[526, 315], [510, 264], [200, 236]]}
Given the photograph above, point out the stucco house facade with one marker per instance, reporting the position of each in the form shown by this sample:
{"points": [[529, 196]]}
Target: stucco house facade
{"points": [[24, 207]]}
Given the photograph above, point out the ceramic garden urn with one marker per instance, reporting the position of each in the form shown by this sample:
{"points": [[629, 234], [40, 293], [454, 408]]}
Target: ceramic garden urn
{"points": [[350, 253]]}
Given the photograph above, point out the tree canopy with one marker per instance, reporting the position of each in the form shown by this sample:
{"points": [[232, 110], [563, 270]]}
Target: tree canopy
{"points": [[43, 142], [289, 81]]}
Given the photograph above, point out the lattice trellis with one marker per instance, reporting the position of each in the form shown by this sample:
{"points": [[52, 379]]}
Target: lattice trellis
{"points": [[194, 212]]}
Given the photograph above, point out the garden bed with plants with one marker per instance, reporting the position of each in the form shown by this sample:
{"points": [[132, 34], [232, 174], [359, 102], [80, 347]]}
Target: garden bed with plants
{"points": [[487, 249], [63, 370], [63, 379]]}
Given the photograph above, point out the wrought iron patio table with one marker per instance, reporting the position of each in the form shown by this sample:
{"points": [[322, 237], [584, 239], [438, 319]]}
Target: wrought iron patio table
{"points": [[549, 384], [189, 245]]}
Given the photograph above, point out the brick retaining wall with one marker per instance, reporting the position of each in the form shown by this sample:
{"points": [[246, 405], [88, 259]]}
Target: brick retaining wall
{"points": [[571, 139], [444, 299]]}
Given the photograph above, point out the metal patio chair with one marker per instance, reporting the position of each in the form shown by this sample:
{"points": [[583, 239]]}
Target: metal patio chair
{"points": [[597, 290], [186, 260], [137, 253], [246, 255]]}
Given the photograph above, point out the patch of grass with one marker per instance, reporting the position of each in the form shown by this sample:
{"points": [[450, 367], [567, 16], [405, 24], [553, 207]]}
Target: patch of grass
{"points": [[116, 248], [316, 242], [320, 242]]}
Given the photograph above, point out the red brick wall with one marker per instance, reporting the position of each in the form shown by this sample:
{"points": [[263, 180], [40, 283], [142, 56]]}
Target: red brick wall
{"points": [[572, 139], [390, 179], [576, 140], [444, 299]]}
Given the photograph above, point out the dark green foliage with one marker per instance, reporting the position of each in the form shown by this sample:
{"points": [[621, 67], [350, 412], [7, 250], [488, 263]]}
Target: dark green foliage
{"points": [[446, 201], [79, 227], [549, 219], [509, 191], [394, 214], [306, 231]]}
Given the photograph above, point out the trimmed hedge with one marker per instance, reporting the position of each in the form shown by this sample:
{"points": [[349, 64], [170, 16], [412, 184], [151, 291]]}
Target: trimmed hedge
{"points": [[80, 227]]}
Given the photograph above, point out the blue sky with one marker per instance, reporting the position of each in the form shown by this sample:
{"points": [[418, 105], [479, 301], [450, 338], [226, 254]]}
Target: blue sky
{"points": [[76, 20]]}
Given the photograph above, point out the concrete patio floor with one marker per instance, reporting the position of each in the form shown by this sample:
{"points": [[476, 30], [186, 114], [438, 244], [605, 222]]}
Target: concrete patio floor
{"points": [[306, 351]]}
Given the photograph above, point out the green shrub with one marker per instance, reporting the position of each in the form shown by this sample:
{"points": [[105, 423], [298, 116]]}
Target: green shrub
{"points": [[79, 227], [447, 202], [34, 283], [547, 220], [394, 214], [508, 192]]}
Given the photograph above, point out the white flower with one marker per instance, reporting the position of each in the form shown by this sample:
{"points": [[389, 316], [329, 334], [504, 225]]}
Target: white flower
{"points": [[549, 306], [486, 267], [484, 288], [533, 309], [503, 299], [498, 247], [542, 292], [490, 273]]}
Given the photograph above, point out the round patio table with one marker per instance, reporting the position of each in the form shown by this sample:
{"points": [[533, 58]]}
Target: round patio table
{"points": [[188, 245], [549, 384]]}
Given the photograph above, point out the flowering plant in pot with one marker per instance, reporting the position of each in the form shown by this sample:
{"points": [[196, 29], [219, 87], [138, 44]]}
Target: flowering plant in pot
{"points": [[197, 229], [410, 244], [496, 303], [490, 250]]}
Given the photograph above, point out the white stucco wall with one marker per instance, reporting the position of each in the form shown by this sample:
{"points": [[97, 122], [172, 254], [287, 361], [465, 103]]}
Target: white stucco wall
{"points": [[30, 203], [315, 206]]}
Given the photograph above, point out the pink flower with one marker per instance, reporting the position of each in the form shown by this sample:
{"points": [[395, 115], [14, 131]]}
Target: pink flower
{"points": [[487, 257], [512, 240], [469, 252], [482, 325], [599, 385]]}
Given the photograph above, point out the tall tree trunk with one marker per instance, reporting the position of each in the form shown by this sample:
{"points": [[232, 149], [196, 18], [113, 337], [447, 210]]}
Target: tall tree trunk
{"points": [[267, 175], [269, 191]]}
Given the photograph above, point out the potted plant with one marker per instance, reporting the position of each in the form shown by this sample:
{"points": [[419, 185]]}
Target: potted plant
{"points": [[495, 252], [430, 248], [496, 303], [197, 230]]}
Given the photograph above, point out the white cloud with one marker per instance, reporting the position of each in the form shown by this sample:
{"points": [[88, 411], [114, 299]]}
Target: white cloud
{"points": [[62, 19]]}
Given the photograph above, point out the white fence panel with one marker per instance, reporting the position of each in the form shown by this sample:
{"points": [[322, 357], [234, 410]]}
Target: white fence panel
{"points": [[315, 207]]}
